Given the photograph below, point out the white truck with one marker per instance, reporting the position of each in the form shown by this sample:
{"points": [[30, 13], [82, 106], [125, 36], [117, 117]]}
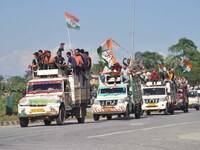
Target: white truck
{"points": [[51, 96], [118, 99], [158, 97]]}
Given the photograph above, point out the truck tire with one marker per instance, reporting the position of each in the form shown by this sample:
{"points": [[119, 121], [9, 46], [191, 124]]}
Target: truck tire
{"points": [[138, 112], [47, 122], [171, 109], [197, 108], [166, 111], [81, 120], [127, 113], [61, 116], [23, 121], [96, 117], [109, 117], [148, 113], [185, 110]]}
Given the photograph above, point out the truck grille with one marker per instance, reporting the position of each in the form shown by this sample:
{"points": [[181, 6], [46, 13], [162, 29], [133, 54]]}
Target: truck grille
{"points": [[108, 102], [149, 101]]}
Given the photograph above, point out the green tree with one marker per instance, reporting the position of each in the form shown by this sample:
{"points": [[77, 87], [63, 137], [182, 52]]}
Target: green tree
{"points": [[149, 59], [96, 68], [185, 48]]}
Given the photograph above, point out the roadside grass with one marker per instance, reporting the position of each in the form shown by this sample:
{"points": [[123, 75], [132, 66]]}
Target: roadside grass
{"points": [[15, 117], [4, 118]]}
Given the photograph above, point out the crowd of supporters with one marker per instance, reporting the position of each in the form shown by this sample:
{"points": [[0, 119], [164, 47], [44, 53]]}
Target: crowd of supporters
{"points": [[163, 74], [78, 61]]}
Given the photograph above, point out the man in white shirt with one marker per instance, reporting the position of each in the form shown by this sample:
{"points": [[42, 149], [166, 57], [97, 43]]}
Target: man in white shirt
{"points": [[125, 74]]}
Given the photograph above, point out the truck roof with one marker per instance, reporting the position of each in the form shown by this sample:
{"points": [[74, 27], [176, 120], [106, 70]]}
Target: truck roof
{"points": [[47, 79]]}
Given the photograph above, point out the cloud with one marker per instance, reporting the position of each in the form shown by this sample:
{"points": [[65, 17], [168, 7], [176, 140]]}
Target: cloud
{"points": [[16, 62]]}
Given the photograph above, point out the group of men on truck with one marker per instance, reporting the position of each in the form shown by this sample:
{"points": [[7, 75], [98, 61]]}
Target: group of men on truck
{"points": [[79, 61]]}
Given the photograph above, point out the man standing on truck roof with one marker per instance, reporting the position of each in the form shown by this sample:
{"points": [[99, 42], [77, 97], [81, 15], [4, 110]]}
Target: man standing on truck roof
{"points": [[125, 74], [71, 64], [59, 60], [154, 77], [79, 60], [49, 61]]}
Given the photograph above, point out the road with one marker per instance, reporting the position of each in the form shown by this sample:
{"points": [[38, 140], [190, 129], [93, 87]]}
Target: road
{"points": [[180, 131]]}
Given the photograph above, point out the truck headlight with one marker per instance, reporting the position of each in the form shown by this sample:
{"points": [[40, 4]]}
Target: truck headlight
{"points": [[96, 102], [121, 100], [162, 99]]}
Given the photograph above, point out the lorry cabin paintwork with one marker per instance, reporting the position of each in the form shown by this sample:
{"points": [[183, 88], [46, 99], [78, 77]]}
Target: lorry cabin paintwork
{"points": [[194, 99], [51, 96], [120, 99], [158, 97]]}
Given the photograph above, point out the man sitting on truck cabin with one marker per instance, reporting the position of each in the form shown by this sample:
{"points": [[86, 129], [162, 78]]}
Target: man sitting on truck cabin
{"points": [[125, 76], [154, 77]]}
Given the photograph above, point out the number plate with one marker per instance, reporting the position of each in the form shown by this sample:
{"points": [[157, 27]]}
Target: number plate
{"points": [[152, 105], [37, 110]]}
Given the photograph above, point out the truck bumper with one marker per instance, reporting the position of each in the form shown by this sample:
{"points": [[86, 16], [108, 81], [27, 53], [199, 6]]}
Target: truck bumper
{"points": [[154, 106], [33, 112]]}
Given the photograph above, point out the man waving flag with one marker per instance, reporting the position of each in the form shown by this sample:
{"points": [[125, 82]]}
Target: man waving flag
{"points": [[105, 53], [72, 21]]}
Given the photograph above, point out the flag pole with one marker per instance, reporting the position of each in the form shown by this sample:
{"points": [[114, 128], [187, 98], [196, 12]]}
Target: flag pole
{"points": [[133, 36], [70, 47]]}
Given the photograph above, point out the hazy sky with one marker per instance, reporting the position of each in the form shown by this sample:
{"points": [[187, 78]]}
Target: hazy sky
{"points": [[29, 25]]}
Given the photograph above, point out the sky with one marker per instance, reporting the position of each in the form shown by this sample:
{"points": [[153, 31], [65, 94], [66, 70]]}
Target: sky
{"points": [[27, 26]]}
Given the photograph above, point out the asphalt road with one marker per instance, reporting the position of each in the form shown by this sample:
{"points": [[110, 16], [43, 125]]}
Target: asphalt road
{"points": [[180, 131]]}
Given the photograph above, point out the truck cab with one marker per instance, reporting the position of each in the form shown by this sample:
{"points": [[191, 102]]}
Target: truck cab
{"points": [[158, 97], [51, 96], [193, 99], [182, 98], [118, 99]]}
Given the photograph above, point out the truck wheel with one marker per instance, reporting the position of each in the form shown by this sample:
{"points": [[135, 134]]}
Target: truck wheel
{"points": [[127, 113], [109, 117], [96, 117], [166, 111], [61, 116], [138, 112], [171, 110], [23, 121], [47, 122], [148, 113], [185, 110], [197, 108], [81, 120]]}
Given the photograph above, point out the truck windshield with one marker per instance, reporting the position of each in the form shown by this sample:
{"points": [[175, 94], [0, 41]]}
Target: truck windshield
{"points": [[154, 91], [112, 90], [44, 87], [192, 94]]}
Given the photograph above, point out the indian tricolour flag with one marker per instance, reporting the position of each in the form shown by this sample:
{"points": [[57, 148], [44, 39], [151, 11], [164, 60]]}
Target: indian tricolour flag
{"points": [[105, 53], [185, 65], [72, 21]]}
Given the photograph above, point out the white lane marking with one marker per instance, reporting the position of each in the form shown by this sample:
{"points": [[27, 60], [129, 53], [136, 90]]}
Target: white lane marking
{"points": [[144, 129]]}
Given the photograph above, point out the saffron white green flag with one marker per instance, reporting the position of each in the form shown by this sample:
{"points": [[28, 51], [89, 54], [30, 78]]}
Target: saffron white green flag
{"points": [[185, 65], [105, 53], [72, 21]]}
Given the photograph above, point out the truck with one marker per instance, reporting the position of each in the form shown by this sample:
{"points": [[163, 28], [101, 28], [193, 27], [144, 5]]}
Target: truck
{"points": [[194, 99], [158, 97], [52, 96], [118, 98], [182, 98]]}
